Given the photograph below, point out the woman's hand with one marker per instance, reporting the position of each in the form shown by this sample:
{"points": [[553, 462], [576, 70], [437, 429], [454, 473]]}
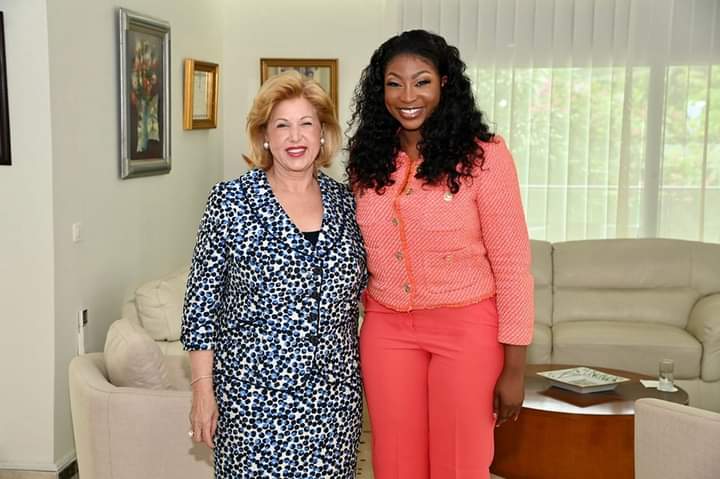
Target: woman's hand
{"points": [[509, 395], [204, 413], [510, 387]]}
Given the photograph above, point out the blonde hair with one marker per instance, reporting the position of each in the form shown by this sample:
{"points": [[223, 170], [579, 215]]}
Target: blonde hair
{"points": [[287, 86]]}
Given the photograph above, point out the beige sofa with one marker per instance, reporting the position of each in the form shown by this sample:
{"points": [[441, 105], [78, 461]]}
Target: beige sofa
{"points": [[627, 304], [622, 304]]}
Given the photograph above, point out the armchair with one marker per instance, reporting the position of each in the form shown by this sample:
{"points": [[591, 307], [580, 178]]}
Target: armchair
{"points": [[675, 442], [132, 433]]}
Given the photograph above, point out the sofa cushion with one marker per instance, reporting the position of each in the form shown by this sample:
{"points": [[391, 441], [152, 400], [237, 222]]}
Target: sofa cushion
{"points": [[623, 264], [542, 278], [706, 267], [540, 350], [159, 306], [667, 306], [171, 348], [178, 368], [704, 324], [629, 280], [133, 359], [633, 346]]}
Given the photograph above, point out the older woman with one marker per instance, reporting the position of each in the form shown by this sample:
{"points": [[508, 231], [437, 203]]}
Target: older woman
{"points": [[271, 307]]}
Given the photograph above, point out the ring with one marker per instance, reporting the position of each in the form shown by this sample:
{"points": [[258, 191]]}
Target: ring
{"points": [[190, 433]]}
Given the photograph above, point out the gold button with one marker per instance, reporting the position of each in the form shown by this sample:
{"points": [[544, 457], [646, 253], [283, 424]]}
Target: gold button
{"points": [[409, 191], [406, 287], [395, 221], [399, 255], [448, 196]]}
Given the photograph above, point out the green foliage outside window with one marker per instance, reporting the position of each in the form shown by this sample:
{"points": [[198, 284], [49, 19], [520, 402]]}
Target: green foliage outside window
{"points": [[580, 140]]}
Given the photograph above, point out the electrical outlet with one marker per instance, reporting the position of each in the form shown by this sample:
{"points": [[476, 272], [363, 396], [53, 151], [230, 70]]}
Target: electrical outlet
{"points": [[77, 232], [82, 320]]}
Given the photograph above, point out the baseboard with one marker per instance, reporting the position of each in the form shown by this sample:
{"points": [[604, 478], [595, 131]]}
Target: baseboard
{"points": [[26, 474], [14, 466], [66, 461], [66, 468]]}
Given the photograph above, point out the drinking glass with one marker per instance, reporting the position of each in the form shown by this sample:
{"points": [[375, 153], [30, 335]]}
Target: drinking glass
{"points": [[666, 375]]}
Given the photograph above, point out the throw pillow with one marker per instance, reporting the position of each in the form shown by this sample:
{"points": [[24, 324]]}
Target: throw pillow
{"points": [[159, 306], [133, 359]]}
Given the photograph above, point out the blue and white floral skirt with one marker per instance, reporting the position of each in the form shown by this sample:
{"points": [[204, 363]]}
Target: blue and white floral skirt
{"points": [[310, 433]]}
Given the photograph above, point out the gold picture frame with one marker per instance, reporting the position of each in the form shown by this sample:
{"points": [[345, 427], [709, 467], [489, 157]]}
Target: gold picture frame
{"points": [[200, 99], [323, 70]]}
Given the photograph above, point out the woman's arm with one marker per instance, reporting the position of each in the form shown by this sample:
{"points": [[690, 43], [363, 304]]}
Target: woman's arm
{"points": [[506, 241], [204, 413], [510, 387], [203, 299], [505, 237]]}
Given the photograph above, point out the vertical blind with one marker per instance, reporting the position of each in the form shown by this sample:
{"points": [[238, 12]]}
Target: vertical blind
{"points": [[610, 107]]}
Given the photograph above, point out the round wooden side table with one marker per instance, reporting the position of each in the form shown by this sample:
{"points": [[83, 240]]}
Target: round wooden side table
{"points": [[566, 435]]}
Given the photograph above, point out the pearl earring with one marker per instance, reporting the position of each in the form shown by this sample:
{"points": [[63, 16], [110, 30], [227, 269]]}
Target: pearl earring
{"points": [[266, 145], [322, 141]]}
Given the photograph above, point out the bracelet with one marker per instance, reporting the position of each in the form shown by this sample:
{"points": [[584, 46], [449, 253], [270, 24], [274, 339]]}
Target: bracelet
{"points": [[199, 378]]}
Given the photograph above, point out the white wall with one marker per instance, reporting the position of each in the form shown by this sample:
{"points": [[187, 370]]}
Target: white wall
{"points": [[348, 30], [26, 244], [133, 230]]}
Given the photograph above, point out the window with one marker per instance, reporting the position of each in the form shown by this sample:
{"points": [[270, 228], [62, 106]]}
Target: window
{"points": [[610, 107]]}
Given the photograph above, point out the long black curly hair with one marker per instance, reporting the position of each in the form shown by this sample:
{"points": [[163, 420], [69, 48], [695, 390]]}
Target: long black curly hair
{"points": [[448, 146]]}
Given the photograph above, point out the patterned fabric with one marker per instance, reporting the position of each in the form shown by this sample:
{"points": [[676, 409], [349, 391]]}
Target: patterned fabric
{"points": [[428, 248], [281, 316]]}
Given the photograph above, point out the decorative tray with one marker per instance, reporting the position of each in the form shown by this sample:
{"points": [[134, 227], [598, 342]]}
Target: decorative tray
{"points": [[582, 380]]}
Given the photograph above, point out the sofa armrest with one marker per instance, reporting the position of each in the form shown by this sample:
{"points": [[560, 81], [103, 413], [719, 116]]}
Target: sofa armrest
{"points": [[124, 433], [704, 324]]}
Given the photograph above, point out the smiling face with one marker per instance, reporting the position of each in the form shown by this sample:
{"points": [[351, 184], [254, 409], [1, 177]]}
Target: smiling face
{"points": [[412, 90], [293, 132]]}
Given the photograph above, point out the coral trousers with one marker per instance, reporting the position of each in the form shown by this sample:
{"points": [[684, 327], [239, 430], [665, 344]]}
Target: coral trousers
{"points": [[429, 377]]}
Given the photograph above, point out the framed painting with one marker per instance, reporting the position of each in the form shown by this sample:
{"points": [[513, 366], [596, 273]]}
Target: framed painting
{"points": [[4, 112], [324, 71], [144, 95], [200, 99]]}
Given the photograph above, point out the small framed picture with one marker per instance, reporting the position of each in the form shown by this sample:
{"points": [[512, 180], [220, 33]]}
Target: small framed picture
{"points": [[144, 95], [324, 71], [4, 112], [200, 100]]}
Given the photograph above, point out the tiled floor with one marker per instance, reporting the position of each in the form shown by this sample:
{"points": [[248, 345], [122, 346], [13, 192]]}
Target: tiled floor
{"points": [[365, 452], [364, 465], [364, 460], [364, 470]]}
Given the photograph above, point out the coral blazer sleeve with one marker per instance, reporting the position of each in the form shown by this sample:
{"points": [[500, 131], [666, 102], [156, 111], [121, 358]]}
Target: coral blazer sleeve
{"points": [[505, 236]]}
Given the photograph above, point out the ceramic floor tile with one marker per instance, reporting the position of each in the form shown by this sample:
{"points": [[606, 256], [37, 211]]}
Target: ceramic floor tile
{"points": [[364, 461]]}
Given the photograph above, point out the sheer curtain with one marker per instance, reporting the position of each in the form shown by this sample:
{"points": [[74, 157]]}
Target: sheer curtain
{"points": [[611, 107]]}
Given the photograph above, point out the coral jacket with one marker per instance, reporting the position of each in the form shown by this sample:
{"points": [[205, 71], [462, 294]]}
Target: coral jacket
{"points": [[429, 248]]}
